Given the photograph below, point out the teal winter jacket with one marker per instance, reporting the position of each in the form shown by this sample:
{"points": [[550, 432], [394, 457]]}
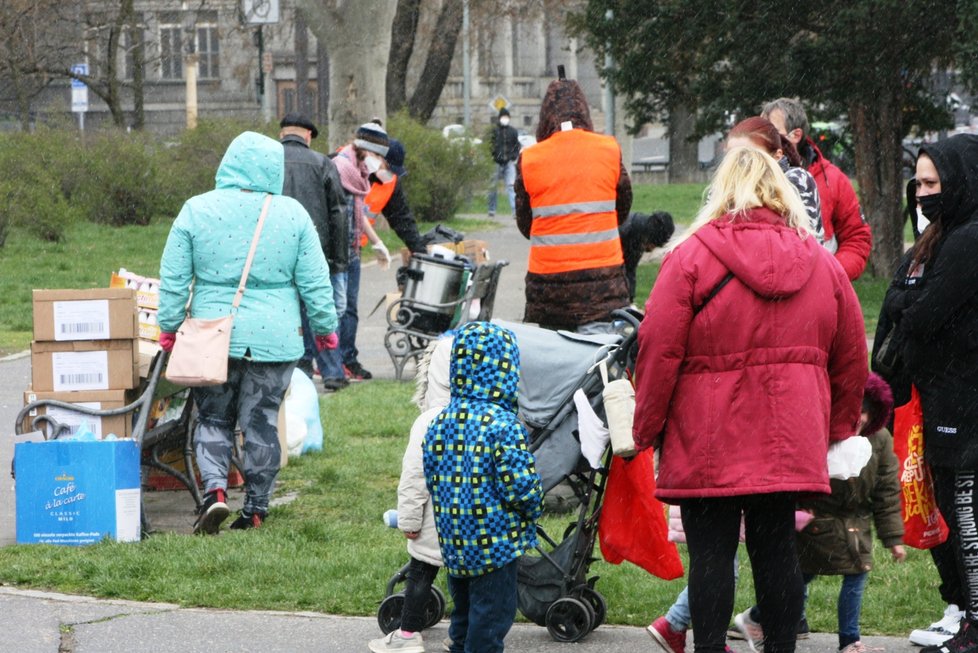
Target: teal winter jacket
{"points": [[208, 245]]}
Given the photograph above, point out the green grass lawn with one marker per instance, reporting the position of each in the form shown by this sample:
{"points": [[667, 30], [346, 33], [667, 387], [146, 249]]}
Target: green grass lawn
{"points": [[329, 551], [329, 545]]}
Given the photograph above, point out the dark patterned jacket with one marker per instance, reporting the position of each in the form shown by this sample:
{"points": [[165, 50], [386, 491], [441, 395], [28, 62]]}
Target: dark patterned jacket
{"points": [[484, 486]]}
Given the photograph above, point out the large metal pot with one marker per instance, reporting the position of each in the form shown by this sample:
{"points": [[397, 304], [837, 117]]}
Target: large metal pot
{"points": [[433, 280]]}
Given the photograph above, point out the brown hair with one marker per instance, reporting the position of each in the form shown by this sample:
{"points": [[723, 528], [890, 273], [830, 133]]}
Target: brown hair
{"points": [[764, 135]]}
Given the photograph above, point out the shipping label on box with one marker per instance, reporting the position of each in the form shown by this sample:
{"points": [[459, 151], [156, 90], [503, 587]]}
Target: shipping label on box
{"points": [[118, 425], [95, 314], [84, 365], [75, 493]]}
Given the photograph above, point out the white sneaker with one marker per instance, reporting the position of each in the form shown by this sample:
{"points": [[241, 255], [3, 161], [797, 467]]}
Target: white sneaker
{"points": [[750, 629], [394, 641], [939, 631]]}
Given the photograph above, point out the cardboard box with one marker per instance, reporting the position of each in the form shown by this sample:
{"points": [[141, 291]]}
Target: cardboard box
{"points": [[147, 288], [149, 328], [84, 365], [95, 314], [75, 492], [145, 352], [120, 425], [477, 251]]}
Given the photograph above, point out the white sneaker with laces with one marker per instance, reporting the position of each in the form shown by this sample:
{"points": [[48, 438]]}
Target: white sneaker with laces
{"points": [[939, 631], [394, 641]]}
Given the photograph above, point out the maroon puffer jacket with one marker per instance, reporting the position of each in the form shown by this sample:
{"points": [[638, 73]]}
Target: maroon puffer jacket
{"points": [[745, 397]]}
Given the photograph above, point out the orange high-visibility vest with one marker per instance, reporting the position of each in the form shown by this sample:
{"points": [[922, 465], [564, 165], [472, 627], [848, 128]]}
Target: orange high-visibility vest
{"points": [[572, 180]]}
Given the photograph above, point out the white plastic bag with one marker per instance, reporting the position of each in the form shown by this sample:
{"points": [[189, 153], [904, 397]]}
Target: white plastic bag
{"points": [[303, 426]]}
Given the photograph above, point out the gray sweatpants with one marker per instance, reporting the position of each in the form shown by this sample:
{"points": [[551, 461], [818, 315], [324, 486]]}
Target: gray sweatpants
{"points": [[250, 398]]}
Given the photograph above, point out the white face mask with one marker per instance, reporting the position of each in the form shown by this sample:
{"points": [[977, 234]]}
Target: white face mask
{"points": [[504, 121], [922, 222], [372, 163]]}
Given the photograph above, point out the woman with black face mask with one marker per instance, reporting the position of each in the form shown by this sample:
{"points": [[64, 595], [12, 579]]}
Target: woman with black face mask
{"points": [[932, 304]]}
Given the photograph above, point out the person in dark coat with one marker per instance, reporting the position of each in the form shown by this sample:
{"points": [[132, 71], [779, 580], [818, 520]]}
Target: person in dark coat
{"points": [[505, 142], [311, 178], [838, 538], [572, 193], [641, 233], [933, 307]]}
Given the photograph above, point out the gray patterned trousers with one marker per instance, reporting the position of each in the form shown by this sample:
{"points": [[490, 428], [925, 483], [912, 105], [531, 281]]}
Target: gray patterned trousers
{"points": [[250, 398]]}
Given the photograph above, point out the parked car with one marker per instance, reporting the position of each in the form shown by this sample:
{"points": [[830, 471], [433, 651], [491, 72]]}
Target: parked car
{"points": [[456, 131]]}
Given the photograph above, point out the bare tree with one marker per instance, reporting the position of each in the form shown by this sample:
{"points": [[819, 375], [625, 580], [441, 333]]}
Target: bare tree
{"points": [[403, 34], [358, 66]]}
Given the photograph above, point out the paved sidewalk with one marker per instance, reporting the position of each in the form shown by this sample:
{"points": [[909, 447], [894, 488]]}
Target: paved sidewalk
{"points": [[41, 622]]}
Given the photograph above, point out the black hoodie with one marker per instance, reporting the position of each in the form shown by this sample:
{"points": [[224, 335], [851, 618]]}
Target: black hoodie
{"points": [[939, 314]]}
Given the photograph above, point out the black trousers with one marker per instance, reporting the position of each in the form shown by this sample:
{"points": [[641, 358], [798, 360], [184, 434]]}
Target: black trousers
{"points": [[417, 588], [957, 558], [712, 528]]}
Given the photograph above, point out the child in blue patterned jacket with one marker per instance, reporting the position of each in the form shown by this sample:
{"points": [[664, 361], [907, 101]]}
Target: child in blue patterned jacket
{"points": [[484, 486]]}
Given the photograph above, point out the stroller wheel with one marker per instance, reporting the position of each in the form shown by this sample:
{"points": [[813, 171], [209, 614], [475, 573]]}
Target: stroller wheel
{"points": [[569, 619], [434, 607], [598, 605], [389, 613]]}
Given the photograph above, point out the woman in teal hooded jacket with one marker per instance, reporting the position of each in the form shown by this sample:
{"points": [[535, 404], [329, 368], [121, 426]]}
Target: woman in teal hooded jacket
{"points": [[207, 248]]}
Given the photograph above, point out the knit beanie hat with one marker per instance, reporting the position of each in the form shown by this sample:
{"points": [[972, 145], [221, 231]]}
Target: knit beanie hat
{"points": [[371, 137], [503, 112], [877, 402]]}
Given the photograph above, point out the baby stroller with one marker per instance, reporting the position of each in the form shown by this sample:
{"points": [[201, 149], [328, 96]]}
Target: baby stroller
{"points": [[554, 589]]}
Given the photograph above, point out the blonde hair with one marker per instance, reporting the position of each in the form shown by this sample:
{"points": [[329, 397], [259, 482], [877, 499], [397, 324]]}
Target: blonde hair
{"points": [[748, 178]]}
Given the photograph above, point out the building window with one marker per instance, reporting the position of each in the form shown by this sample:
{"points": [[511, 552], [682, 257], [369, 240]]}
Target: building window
{"points": [[208, 52], [134, 43], [171, 52]]}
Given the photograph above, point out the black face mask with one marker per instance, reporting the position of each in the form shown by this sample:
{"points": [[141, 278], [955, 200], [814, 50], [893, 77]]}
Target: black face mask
{"points": [[930, 205]]}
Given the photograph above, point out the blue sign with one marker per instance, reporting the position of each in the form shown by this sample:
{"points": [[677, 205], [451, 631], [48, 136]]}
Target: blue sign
{"points": [[78, 69]]}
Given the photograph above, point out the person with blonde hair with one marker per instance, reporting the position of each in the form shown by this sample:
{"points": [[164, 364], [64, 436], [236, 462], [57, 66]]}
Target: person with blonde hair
{"points": [[752, 359]]}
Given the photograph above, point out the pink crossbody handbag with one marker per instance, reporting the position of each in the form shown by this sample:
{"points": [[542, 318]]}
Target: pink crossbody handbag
{"points": [[200, 353]]}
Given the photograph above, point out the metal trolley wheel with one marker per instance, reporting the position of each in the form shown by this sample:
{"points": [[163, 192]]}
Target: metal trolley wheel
{"points": [[569, 619], [389, 613]]}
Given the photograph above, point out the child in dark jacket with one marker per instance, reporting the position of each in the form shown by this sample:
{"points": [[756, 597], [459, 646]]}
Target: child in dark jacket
{"points": [[864, 475], [484, 486]]}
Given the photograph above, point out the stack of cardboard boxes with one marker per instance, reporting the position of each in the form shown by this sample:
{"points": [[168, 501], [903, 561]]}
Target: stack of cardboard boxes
{"points": [[85, 352]]}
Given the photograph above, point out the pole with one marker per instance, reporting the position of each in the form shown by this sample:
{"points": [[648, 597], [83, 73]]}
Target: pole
{"points": [[466, 70], [260, 83], [609, 94], [190, 71]]}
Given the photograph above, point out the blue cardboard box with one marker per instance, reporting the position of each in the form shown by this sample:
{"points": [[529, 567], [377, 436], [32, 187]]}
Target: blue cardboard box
{"points": [[77, 492]]}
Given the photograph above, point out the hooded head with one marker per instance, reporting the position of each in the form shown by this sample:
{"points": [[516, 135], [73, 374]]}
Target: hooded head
{"points": [[877, 402], [252, 162], [564, 101], [431, 379], [956, 160], [485, 364], [395, 157]]}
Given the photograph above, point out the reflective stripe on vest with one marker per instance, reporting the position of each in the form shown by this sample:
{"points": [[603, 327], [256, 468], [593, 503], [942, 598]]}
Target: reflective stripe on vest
{"points": [[572, 180]]}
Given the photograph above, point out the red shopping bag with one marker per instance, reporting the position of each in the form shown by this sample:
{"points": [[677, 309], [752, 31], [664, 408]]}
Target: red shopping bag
{"points": [[632, 525], [923, 525]]}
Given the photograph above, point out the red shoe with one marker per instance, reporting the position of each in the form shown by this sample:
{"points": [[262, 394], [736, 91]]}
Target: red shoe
{"points": [[671, 641]]}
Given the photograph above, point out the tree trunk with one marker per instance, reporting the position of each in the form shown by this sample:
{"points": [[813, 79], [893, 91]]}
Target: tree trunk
{"points": [[439, 62], [138, 61], [403, 33], [322, 84], [303, 102], [358, 66], [683, 153], [876, 136]]}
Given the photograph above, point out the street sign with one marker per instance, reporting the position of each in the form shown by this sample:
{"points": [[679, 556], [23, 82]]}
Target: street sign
{"points": [[79, 90], [499, 102], [260, 12]]}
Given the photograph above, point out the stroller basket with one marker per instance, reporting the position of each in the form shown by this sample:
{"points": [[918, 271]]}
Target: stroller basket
{"points": [[541, 580]]}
